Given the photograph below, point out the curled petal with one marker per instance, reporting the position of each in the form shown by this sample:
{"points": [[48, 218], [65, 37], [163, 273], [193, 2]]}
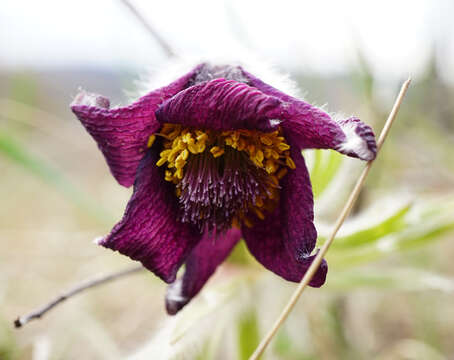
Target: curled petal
{"points": [[149, 231], [359, 139], [284, 241], [310, 127], [222, 105], [210, 252], [122, 133]]}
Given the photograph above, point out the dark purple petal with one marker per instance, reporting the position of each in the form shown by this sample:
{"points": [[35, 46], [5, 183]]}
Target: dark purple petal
{"points": [[122, 133], [310, 127], [149, 231], [284, 241], [200, 265], [222, 105]]}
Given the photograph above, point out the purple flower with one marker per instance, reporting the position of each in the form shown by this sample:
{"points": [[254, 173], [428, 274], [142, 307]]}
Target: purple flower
{"points": [[216, 156]]}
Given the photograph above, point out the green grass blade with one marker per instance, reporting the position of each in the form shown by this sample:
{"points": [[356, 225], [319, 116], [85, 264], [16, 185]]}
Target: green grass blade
{"points": [[248, 335], [390, 225], [326, 166], [408, 279], [415, 236]]}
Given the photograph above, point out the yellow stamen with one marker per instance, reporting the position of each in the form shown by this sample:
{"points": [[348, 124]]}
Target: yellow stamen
{"points": [[271, 166], [266, 140], [283, 146], [179, 173], [241, 145], [168, 176], [193, 148], [217, 151], [201, 147], [267, 151], [290, 163], [151, 140]]}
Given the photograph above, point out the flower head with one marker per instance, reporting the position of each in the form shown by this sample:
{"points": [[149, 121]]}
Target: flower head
{"points": [[216, 156]]}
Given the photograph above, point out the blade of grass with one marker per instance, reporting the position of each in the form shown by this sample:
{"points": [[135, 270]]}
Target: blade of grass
{"points": [[415, 236], [395, 223], [248, 334], [326, 165], [408, 279]]}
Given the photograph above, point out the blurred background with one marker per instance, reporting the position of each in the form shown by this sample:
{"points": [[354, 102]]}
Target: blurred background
{"points": [[389, 293]]}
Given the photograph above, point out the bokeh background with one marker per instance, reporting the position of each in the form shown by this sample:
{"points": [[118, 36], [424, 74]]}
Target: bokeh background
{"points": [[390, 288]]}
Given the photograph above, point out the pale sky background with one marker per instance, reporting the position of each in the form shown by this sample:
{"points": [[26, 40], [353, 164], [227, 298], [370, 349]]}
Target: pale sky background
{"points": [[313, 36]]}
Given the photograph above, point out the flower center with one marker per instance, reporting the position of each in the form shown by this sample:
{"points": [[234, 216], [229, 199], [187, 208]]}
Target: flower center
{"points": [[222, 176]]}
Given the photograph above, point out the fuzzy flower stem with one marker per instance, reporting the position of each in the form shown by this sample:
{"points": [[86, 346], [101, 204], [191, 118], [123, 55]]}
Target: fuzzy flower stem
{"points": [[340, 220], [164, 44], [88, 284]]}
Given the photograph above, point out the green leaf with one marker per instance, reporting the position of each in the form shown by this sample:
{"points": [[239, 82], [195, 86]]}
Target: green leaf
{"points": [[415, 235], [248, 335], [17, 153], [395, 223], [325, 167], [409, 279]]}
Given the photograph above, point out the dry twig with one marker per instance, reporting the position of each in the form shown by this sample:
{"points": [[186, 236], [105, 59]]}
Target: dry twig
{"points": [[88, 284], [164, 44], [340, 220]]}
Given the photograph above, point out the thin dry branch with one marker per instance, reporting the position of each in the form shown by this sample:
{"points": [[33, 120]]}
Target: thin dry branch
{"points": [[151, 30], [340, 220], [88, 284]]}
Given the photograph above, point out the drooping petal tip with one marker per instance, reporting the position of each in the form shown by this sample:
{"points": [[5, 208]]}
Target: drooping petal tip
{"points": [[319, 277], [175, 301], [99, 240], [84, 98], [359, 139], [201, 264]]}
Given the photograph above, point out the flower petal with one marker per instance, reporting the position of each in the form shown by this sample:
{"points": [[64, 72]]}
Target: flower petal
{"points": [[222, 105], [310, 127], [284, 241], [122, 133], [200, 265], [149, 231]]}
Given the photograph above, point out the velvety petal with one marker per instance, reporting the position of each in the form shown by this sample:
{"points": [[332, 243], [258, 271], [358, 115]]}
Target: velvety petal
{"points": [[149, 231], [222, 105], [210, 252], [284, 241], [122, 133], [310, 127]]}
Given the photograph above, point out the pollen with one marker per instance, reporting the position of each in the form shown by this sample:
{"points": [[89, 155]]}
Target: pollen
{"points": [[151, 140], [217, 151], [267, 153]]}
